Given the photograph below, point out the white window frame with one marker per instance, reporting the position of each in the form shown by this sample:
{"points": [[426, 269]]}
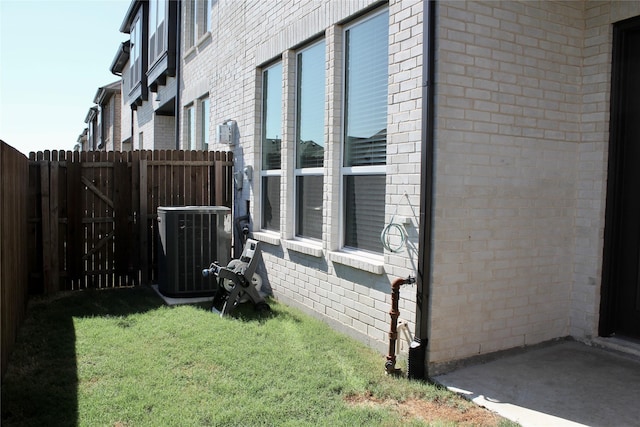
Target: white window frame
{"points": [[190, 127], [158, 14], [135, 61], [353, 170], [301, 172], [265, 173], [200, 21], [204, 107]]}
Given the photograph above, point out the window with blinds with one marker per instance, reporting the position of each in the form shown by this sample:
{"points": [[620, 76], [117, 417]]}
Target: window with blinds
{"points": [[136, 52], [271, 146], [310, 109], [365, 138], [157, 31]]}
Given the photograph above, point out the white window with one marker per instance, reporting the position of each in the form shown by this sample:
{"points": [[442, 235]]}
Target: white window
{"points": [[365, 133], [204, 123], [136, 52], [196, 124], [190, 128], [309, 145], [199, 18], [157, 29], [271, 146]]}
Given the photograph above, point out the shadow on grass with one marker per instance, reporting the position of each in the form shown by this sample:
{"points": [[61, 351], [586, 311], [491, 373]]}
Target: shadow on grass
{"points": [[40, 387], [247, 312]]}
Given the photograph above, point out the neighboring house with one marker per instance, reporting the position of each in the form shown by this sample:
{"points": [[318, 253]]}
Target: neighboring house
{"points": [[147, 64], [81, 142], [120, 67], [103, 121], [109, 101], [514, 187], [92, 137]]}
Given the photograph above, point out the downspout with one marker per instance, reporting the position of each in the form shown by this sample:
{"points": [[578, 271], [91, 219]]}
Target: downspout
{"points": [[418, 355], [178, 69]]}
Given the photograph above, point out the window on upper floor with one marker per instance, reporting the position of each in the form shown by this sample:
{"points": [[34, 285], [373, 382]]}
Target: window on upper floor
{"points": [[135, 61], [309, 146], [157, 29], [271, 146], [196, 124], [365, 132], [204, 123], [190, 127], [199, 21]]}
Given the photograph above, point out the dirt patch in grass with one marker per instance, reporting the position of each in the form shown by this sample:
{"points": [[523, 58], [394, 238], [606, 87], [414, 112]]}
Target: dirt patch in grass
{"points": [[464, 414]]}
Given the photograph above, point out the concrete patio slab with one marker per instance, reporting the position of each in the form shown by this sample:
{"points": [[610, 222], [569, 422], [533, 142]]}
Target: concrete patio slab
{"points": [[566, 383]]}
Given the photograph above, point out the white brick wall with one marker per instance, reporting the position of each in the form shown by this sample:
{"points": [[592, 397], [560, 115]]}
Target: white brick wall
{"points": [[158, 131], [229, 60], [520, 177], [593, 157], [522, 112]]}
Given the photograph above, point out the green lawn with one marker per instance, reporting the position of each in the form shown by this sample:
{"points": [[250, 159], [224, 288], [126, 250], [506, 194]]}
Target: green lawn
{"points": [[122, 358]]}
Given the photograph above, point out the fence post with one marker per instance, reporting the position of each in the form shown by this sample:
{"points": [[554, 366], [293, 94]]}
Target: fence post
{"points": [[54, 211], [74, 220], [45, 189], [135, 214], [144, 232], [122, 209]]}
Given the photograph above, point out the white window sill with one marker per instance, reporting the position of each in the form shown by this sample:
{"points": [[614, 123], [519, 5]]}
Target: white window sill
{"points": [[372, 264], [203, 39], [198, 45], [306, 248], [189, 53], [267, 237]]}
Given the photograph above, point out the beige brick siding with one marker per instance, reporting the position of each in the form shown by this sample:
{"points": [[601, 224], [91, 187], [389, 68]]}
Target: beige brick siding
{"points": [[522, 106], [522, 111], [593, 156], [158, 131], [227, 63]]}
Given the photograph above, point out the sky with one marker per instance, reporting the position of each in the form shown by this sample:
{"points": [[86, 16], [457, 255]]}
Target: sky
{"points": [[54, 55]]}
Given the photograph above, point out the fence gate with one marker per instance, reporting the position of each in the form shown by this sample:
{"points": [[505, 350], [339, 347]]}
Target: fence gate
{"points": [[93, 214]]}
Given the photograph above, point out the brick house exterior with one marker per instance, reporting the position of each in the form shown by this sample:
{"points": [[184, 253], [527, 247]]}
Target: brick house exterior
{"points": [[147, 65], [516, 221], [523, 105], [108, 99]]}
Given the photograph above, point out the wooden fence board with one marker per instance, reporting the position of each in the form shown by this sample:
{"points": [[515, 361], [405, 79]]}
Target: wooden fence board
{"points": [[135, 214], [144, 260], [54, 223], [46, 226], [74, 221], [14, 247], [122, 210]]}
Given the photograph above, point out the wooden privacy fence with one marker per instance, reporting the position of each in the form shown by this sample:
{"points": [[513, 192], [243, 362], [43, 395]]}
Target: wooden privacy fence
{"points": [[93, 215], [13, 245]]}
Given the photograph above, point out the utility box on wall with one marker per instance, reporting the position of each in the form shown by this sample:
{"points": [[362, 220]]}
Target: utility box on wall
{"points": [[191, 237]]}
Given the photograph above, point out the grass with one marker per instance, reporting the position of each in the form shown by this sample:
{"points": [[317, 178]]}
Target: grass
{"points": [[122, 358]]}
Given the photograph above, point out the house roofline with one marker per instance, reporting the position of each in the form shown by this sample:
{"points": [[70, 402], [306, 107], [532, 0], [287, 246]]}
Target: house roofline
{"points": [[91, 114], [83, 135], [125, 27], [121, 58], [105, 92]]}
